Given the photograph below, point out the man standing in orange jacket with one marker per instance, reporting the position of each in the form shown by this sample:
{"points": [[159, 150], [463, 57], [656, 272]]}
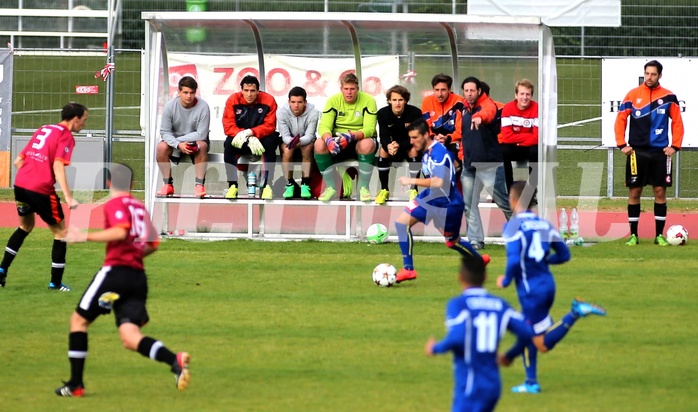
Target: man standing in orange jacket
{"points": [[649, 147]]}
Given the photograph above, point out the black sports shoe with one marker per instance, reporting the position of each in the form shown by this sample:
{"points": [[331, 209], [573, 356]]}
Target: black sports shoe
{"points": [[68, 390], [3, 277]]}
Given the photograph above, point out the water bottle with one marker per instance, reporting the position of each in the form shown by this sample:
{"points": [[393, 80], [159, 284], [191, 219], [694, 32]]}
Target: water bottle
{"points": [[563, 224], [251, 184], [574, 224]]}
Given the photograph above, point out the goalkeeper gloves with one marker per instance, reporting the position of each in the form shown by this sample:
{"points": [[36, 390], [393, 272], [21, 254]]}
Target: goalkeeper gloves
{"points": [[255, 146], [343, 139], [332, 145], [241, 138]]}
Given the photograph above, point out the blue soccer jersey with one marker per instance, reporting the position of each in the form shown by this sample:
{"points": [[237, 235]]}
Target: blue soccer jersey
{"points": [[530, 243], [475, 323], [437, 161]]}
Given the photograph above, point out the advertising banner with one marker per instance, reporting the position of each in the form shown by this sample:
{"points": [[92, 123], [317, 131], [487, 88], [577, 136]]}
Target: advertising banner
{"points": [[219, 77]]}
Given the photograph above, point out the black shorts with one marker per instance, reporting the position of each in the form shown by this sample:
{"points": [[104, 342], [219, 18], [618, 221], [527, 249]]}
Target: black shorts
{"points": [[349, 153], [645, 167], [402, 151], [48, 207], [131, 285]]}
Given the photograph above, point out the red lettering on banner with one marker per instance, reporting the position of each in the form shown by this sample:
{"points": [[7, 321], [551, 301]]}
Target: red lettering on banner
{"points": [[373, 86], [176, 73], [245, 71], [314, 86], [272, 88], [220, 87], [345, 72]]}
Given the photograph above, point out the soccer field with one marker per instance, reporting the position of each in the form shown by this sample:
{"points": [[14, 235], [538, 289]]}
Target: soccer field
{"points": [[299, 326]]}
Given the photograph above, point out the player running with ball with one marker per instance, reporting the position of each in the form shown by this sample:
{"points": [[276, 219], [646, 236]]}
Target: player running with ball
{"points": [[440, 202]]}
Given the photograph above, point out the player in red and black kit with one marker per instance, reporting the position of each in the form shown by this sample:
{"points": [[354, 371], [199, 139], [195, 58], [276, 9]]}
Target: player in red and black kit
{"points": [[249, 123], [649, 146], [39, 166], [120, 284]]}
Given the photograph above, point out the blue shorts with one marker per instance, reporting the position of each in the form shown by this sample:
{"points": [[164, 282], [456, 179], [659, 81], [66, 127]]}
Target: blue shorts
{"points": [[536, 306], [480, 403], [447, 219]]}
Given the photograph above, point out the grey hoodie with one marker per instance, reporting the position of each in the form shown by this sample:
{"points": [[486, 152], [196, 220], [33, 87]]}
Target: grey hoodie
{"points": [[304, 125]]}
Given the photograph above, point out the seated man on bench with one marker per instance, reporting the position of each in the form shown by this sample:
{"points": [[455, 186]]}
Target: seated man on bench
{"points": [[249, 122]]}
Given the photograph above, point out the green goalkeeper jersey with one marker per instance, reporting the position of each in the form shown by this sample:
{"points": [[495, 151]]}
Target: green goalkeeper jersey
{"points": [[340, 116]]}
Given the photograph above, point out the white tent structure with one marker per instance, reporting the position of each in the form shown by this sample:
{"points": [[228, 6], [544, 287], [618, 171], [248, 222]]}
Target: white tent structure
{"points": [[286, 49]]}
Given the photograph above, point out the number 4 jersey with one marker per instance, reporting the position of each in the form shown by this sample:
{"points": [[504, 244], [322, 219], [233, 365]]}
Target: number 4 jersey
{"points": [[129, 213], [532, 244], [48, 144]]}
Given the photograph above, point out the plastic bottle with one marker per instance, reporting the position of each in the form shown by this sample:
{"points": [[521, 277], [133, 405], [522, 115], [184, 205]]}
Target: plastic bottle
{"points": [[251, 184], [563, 224], [574, 224]]}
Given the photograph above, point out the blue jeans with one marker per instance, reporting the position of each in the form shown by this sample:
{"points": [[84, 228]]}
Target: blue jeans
{"points": [[489, 176]]}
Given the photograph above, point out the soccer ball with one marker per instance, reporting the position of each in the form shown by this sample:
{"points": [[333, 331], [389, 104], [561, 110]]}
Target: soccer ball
{"points": [[677, 235], [376, 233], [384, 275]]}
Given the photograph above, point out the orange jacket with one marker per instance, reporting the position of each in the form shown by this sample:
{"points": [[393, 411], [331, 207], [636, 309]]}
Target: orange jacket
{"points": [[260, 116], [443, 118], [480, 145], [649, 111]]}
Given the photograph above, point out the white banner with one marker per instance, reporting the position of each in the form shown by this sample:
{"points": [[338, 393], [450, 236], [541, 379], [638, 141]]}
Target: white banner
{"points": [[219, 77], [557, 13], [619, 76]]}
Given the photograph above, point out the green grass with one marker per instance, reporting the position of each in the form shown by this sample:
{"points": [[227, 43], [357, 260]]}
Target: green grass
{"points": [[299, 326]]}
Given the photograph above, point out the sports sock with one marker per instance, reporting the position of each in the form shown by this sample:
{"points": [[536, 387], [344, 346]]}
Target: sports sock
{"points": [[415, 166], [463, 247], [13, 245], [659, 218], [168, 180], [555, 333], [633, 218], [404, 236], [156, 350], [383, 172], [365, 169], [324, 165], [232, 183], [77, 353], [305, 180], [516, 350], [530, 361], [199, 181], [57, 261]]}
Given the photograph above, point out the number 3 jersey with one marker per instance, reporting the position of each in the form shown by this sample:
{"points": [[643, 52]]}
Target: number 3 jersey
{"points": [[48, 144], [130, 214], [475, 323]]}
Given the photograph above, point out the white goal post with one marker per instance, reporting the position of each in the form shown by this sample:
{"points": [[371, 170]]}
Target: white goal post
{"points": [[497, 49]]}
